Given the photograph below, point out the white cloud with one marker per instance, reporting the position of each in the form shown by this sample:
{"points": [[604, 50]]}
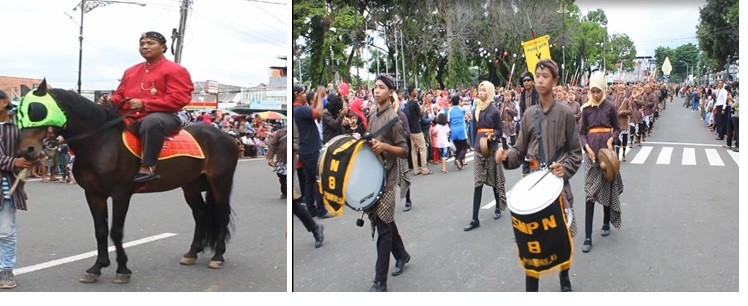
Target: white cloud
{"points": [[650, 24], [231, 41]]}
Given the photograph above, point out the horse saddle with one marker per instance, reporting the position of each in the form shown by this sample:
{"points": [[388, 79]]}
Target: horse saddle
{"points": [[180, 144]]}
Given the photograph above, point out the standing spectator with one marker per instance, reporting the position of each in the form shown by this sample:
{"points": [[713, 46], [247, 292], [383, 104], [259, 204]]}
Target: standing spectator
{"points": [[333, 118], [458, 135], [9, 166], [310, 143], [425, 121], [720, 116], [441, 134], [414, 111]]}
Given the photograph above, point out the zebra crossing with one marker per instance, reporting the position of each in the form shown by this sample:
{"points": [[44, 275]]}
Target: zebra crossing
{"points": [[689, 156]]}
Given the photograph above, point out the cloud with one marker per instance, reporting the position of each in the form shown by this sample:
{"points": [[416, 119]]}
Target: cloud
{"points": [[230, 41]]}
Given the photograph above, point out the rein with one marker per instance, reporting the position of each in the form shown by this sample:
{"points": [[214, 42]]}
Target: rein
{"points": [[103, 127]]}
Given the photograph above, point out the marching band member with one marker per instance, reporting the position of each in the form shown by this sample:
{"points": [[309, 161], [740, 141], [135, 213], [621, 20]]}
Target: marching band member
{"points": [[559, 136], [487, 123], [624, 110], [598, 129], [392, 146]]}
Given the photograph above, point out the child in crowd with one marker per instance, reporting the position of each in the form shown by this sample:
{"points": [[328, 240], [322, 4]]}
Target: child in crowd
{"points": [[441, 135]]}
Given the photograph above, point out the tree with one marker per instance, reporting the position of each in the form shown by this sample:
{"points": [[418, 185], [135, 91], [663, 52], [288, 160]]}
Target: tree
{"points": [[718, 31]]}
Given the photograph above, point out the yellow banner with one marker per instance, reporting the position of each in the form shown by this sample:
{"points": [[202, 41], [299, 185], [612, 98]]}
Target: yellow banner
{"points": [[535, 50]]}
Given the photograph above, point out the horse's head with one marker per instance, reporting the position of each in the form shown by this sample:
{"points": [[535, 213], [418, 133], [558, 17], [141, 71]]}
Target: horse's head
{"points": [[37, 111]]}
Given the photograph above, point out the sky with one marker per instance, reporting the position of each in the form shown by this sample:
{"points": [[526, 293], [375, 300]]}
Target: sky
{"points": [[233, 42], [650, 24]]}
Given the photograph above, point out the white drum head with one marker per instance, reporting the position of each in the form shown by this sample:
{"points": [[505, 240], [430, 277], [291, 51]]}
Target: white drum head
{"points": [[525, 201], [365, 180]]}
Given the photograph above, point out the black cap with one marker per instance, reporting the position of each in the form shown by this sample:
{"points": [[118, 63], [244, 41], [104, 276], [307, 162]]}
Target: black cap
{"points": [[155, 36], [297, 89], [526, 74], [3, 95]]}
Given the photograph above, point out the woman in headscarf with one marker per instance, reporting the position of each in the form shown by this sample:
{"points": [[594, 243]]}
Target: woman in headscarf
{"points": [[598, 128], [487, 122], [355, 108]]}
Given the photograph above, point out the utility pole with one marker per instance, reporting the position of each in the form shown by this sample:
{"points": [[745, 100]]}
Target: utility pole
{"points": [[177, 36]]}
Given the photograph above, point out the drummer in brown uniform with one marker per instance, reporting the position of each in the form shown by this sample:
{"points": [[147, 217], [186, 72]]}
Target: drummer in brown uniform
{"points": [[391, 145], [598, 129], [559, 137]]}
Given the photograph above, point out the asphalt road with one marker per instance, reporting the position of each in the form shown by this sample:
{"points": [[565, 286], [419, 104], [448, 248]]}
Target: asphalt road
{"points": [[679, 230], [56, 232]]}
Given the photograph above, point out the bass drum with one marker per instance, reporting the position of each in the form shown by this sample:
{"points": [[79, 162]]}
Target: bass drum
{"points": [[351, 162]]}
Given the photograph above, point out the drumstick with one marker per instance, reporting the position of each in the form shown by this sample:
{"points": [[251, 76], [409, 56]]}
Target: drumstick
{"points": [[548, 171]]}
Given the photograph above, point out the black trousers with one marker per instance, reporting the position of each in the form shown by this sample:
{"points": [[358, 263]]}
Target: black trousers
{"points": [[589, 214], [303, 214], [462, 147], [153, 128], [477, 195], [282, 178], [312, 197], [719, 122], [731, 128], [388, 241]]}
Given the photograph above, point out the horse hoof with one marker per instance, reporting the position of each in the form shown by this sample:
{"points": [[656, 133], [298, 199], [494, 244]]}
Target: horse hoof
{"points": [[214, 264], [187, 261], [89, 278], [121, 278]]}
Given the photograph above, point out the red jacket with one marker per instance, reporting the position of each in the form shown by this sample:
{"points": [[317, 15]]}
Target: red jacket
{"points": [[164, 87]]}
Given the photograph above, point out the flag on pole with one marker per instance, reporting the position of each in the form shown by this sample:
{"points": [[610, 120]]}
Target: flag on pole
{"points": [[535, 50]]}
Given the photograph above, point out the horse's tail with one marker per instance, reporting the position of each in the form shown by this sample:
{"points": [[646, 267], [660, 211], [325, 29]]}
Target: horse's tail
{"points": [[219, 222]]}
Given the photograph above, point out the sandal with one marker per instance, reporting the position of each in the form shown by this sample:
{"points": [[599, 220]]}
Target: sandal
{"points": [[444, 171]]}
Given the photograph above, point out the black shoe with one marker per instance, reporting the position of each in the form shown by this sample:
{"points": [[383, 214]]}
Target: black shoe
{"points": [[565, 284], [325, 215], [606, 230], [400, 265], [587, 246], [496, 214], [472, 225], [719, 138], [319, 235], [379, 287], [408, 206], [145, 177]]}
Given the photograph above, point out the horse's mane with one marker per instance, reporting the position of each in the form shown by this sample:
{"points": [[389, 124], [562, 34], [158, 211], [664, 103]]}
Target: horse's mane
{"points": [[84, 108]]}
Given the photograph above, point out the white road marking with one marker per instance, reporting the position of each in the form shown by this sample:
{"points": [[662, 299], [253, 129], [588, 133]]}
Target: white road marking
{"points": [[642, 155], [489, 205], [664, 157], [70, 259], [689, 156], [713, 157], [735, 156], [682, 144]]}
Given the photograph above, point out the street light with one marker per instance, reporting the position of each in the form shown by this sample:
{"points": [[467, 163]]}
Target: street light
{"points": [[92, 4]]}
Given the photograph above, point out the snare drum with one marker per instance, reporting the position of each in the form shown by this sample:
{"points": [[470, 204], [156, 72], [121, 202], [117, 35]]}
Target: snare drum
{"points": [[541, 227], [349, 173]]}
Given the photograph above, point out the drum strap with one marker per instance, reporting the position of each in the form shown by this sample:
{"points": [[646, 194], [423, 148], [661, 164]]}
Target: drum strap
{"points": [[539, 136]]}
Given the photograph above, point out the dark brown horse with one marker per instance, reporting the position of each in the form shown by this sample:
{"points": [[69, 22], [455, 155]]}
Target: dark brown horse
{"points": [[104, 168]]}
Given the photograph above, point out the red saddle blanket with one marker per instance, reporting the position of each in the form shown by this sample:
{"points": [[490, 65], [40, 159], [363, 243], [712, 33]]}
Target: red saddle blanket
{"points": [[181, 144]]}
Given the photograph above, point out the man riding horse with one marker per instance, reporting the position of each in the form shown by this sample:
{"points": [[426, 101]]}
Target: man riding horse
{"points": [[152, 94]]}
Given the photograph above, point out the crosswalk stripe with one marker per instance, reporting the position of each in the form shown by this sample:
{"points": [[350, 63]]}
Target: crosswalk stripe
{"points": [[642, 156], [689, 156], [735, 156], [664, 157], [713, 157], [489, 205]]}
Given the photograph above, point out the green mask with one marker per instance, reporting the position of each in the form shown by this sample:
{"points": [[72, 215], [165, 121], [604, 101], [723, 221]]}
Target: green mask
{"points": [[38, 111]]}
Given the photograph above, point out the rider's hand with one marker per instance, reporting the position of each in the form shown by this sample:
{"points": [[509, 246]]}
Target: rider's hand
{"points": [[135, 103]]}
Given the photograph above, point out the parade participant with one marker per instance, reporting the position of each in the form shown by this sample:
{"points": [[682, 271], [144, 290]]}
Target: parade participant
{"points": [[598, 129], [153, 94], [458, 132], [392, 146], [414, 112], [10, 165], [508, 112], [297, 205], [635, 118], [310, 142], [624, 110], [276, 157], [487, 124], [647, 104], [559, 136], [571, 102]]}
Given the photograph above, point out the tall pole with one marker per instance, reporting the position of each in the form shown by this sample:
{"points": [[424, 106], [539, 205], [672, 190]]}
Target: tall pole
{"points": [[80, 45], [179, 35], [402, 55], [397, 78]]}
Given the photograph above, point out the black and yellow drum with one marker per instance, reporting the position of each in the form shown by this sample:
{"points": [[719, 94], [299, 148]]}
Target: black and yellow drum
{"points": [[541, 228]]}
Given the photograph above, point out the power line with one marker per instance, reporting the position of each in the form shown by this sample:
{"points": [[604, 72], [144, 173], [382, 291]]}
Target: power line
{"points": [[268, 2]]}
